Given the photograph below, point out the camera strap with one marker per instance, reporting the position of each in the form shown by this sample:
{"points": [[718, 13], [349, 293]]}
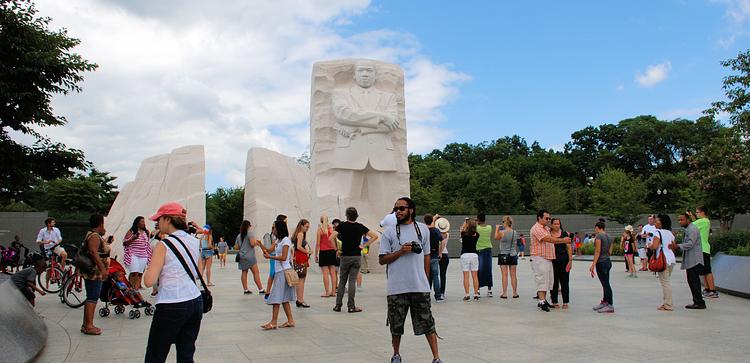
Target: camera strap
{"points": [[416, 227]]}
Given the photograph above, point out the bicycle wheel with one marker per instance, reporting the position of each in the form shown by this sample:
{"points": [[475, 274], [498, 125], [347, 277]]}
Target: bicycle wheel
{"points": [[74, 291], [50, 280]]}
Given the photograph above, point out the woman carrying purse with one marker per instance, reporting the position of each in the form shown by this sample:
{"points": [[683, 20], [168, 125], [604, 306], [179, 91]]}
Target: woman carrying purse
{"points": [[281, 292]]}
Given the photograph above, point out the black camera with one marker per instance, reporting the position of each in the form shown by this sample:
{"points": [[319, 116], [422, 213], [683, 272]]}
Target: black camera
{"points": [[416, 247]]}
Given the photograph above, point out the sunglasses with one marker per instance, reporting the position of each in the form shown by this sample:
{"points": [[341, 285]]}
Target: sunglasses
{"points": [[400, 209]]}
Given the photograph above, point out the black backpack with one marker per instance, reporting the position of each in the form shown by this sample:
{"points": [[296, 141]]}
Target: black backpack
{"points": [[435, 239]]}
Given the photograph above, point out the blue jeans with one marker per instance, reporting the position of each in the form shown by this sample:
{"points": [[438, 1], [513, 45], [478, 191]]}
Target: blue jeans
{"points": [[602, 270], [435, 276], [178, 324]]}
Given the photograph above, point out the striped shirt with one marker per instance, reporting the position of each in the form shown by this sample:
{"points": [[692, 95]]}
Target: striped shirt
{"points": [[140, 247], [539, 248]]}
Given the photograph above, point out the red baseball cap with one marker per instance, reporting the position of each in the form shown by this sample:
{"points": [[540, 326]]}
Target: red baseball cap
{"points": [[170, 209]]}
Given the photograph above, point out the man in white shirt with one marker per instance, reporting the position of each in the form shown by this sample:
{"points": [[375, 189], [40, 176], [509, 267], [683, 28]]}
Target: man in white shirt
{"points": [[648, 234], [50, 238]]}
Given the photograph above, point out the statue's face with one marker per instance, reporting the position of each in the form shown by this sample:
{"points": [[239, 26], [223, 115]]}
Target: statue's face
{"points": [[364, 74]]}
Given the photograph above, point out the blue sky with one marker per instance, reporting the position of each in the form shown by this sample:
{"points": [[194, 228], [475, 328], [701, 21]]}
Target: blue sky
{"points": [[237, 76], [544, 70]]}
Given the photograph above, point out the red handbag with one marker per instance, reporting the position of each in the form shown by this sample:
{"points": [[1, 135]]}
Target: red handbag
{"points": [[657, 262]]}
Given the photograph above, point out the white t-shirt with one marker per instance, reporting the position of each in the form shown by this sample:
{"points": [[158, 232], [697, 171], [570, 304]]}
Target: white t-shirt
{"points": [[649, 228], [175, 284], [283, 265], [666, 239], [47, 235], [389, 221], [406, 274]]}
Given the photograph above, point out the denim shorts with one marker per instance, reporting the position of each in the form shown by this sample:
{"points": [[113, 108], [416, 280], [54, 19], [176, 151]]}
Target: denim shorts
{"points": [[206, 254], [93, 290]]}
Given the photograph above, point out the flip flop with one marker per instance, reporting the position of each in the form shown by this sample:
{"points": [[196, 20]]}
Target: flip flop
{"points": [[515, 296], [287, 325], [268, 326], [503, 296], [94, 331]]}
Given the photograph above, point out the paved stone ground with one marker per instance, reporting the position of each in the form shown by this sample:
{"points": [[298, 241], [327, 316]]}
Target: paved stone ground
{"points": [[490, 330]]}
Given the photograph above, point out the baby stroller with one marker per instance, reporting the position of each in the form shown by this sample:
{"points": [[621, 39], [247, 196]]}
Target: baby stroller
{"points": [[117, 291], [8, 259]]}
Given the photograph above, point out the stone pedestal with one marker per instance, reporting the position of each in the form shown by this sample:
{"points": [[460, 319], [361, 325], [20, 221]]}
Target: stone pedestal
{"points": [[179, 176]]}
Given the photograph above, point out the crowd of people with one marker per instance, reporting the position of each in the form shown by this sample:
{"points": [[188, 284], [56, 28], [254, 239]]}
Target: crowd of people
{"points": [[415, 253]]}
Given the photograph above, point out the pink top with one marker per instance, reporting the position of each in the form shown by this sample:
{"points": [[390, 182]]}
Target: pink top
{"points": [[325, 240], [139, 248]]}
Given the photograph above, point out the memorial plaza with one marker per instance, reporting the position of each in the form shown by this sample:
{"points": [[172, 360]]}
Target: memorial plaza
{"points": [[490, 330]]}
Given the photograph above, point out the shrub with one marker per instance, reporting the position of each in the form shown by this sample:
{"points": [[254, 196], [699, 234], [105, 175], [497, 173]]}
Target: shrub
{"points": [[588, 248], [726, 241], [742, 250]]}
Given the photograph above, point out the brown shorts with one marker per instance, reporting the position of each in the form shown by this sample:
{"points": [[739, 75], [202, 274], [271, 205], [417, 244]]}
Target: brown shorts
{"points": [[421, 315]]}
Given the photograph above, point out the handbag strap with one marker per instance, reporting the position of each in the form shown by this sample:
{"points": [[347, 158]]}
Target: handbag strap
{"points": [[182, 259]]}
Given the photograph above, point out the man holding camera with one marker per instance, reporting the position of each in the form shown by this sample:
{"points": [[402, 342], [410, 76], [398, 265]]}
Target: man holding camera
{"points": [[405, 249]]}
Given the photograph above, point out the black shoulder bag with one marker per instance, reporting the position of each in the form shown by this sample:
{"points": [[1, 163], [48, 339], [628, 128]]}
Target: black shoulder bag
{"points": [[208, 300], [504, 258]]}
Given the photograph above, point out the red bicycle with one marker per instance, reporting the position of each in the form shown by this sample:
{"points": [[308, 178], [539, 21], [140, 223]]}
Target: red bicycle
{"points": [[51, 279]]}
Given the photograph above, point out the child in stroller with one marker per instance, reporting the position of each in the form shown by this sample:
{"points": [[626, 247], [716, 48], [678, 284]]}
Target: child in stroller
{"points": [[118, 291]]}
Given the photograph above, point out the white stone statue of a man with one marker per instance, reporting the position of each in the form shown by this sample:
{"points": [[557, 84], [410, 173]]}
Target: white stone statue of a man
{"points": [[365, 119]]}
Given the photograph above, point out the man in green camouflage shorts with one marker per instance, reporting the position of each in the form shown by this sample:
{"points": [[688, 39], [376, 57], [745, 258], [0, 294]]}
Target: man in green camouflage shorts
{"points": [[405, 249]]}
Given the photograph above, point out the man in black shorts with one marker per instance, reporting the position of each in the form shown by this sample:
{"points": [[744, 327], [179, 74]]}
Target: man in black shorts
{"points": [[405, 248]]}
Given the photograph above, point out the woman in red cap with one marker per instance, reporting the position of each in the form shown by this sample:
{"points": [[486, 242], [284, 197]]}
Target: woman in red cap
{"points": [[179, 307]]}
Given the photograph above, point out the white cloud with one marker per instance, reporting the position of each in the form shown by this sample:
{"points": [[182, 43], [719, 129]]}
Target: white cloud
{"points": [[738, 14], [230, 77], [737, 10], [620, 87], [654, 74], [687, 113]]}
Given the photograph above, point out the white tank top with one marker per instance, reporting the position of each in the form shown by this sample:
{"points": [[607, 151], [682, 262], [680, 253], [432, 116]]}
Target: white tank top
{"points": [[174, 283]]}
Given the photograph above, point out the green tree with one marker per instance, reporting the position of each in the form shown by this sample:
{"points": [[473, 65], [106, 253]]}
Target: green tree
{"points": [[640, 146], [737, 90], [76, 197], [225, 212], [722, 170], [549, 194], [35, 64], [619, 196]]}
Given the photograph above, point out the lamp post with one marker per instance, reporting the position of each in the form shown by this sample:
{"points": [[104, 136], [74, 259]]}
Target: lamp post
{"points": [[663, 193]]}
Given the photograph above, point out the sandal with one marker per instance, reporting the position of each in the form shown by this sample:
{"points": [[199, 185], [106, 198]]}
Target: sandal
{"points": [[556, 306], [565, 306], [268, 326], [503, 296], [287, 325], [247, 292], [354, 310], [515, 296], [261, 292], [92, 331]]}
